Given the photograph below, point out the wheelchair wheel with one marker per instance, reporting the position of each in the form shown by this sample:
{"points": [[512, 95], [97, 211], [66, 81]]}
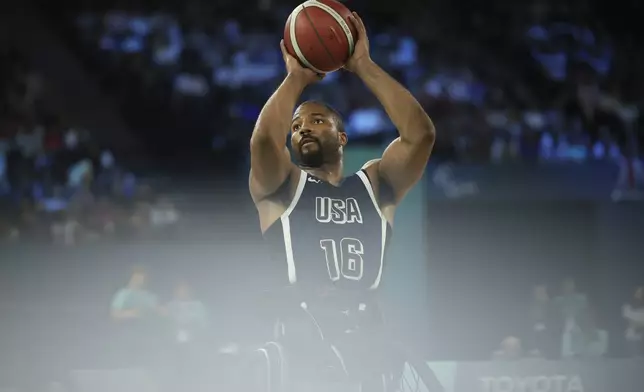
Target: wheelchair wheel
{"points": [[267, 369], [264, 370], [413, 376], [408, 381]]}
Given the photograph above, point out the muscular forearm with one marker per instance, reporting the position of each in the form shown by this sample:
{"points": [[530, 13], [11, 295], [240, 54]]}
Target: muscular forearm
{"points": [[403, 109], [274, 121]]}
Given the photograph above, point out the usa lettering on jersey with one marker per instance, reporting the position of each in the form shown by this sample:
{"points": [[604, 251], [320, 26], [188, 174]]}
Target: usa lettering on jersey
{"points": [[337, 211]]}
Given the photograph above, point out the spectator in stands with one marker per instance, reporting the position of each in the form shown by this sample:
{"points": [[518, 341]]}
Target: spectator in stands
{"points": [[136, 311], [633, 312], [23, 146], [5, 147], [134, 301], [599, 115], [189, 315], [542, 334], [54, 209], [103, 218], [28, 219], [190, 322], [30, 142], [108, 174], [48, 168], [164, 216], [237, 66], [589, 340], [510, 350], [79, 203], [571, 306]]}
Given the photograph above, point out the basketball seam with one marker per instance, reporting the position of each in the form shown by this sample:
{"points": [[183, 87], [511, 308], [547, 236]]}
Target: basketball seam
{"points": [[317, 33], [338, 18], [294, 43], [334, 14]]}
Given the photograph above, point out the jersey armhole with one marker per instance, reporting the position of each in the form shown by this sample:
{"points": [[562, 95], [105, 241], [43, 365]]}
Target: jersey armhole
{"points": [[296, 197], [367, 184]]}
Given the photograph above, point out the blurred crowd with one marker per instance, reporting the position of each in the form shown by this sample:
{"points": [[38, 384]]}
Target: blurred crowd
{"points": [[560, 323], [566, 324], [551, 84], [55, 182], [175, 335], [547, 84]]}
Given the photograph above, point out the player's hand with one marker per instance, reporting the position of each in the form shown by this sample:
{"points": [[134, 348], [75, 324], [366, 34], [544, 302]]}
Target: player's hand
{"points": [[361, 50], [293, 67]]}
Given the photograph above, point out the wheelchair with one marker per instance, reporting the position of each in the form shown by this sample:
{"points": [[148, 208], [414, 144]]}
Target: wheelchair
{"points": [[317, 364]]}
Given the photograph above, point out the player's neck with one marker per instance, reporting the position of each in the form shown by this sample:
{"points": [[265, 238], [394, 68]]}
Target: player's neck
{"points": [[331, 173]]}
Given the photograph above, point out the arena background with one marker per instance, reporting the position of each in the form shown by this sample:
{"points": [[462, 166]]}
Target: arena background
{"points": [[471, 240]]}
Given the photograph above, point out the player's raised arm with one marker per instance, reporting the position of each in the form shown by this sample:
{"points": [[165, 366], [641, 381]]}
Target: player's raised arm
{"points": [[269, 158], [404, 161]]}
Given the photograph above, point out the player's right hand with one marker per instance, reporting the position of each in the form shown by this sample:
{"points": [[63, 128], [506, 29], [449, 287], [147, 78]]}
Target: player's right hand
{"points": [[293, 67]]}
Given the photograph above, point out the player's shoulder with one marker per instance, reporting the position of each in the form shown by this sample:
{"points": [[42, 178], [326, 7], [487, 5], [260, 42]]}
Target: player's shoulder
{"points": [[370, 168], [371, 164], [382, 190], [287, 187]]}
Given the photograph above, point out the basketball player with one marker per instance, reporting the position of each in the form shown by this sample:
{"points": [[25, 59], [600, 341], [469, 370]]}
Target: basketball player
{"points": [[330, 232]]}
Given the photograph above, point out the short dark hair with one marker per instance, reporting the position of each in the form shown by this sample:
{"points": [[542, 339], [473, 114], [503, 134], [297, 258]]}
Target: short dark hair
{"points": [[337, 117]]}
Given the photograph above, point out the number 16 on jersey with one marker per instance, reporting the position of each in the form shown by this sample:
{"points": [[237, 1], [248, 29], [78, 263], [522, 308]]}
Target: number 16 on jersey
{"points": [[344, 259]]}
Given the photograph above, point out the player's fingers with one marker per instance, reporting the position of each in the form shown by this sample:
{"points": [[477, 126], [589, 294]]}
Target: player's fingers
{"points": [[359, 24], [354, 22], [283, 49]]}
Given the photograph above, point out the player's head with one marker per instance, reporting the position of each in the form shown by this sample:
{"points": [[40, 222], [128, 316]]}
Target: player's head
{"points": [[317, 134]]}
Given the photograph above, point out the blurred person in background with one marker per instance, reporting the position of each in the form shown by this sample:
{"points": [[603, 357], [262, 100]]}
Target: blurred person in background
{"points": [[608, 125], [190, 326], [188, 314], [134, 301], [542, 335], [109, 173], [54, 209], [136, 312], [28, 223], [140, 223], [164, 216], [571, 306], [5, 147], [510, 349], [19, 158], [589, 340], [103, 218], [594, 111], [80, 201], [633, 313]]}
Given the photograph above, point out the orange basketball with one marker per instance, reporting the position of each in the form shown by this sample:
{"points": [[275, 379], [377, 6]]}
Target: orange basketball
{"points": [[320, 34]]}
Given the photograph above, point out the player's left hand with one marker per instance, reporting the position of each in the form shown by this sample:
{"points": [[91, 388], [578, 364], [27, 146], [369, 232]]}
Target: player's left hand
{"points": [[361, 51]]}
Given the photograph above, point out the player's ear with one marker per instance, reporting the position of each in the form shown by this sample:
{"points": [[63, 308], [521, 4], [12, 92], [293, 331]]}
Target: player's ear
{"points": [[343, 138]]}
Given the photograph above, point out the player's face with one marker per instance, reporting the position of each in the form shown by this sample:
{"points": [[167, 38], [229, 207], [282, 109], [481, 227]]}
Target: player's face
{"points": [[314, 136]]}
